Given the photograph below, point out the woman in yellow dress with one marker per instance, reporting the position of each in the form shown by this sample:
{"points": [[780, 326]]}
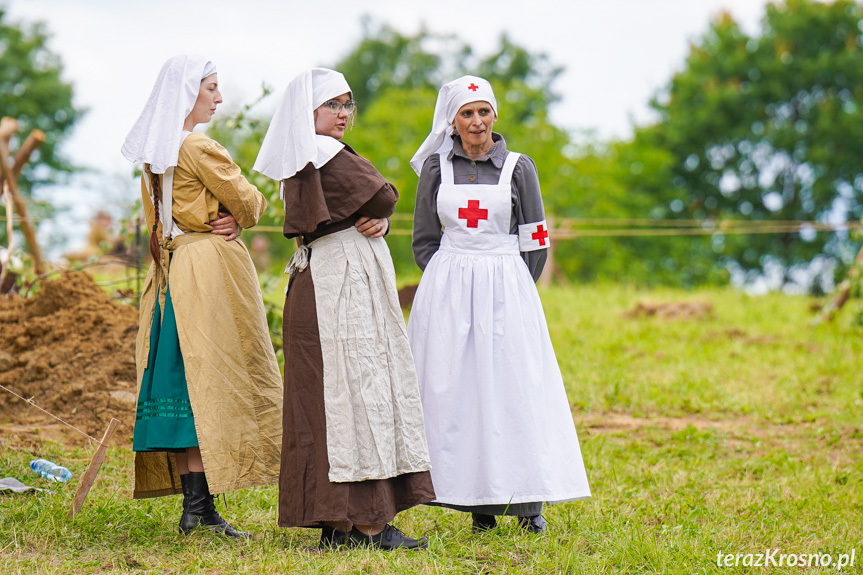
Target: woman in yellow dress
{"points": [[208, 417]]}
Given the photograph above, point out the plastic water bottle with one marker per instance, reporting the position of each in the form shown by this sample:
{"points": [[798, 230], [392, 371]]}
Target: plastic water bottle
{"points": [[50, 470]]}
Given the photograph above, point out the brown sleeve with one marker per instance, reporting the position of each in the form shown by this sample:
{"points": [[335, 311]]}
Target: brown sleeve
{"points": [[382, 204], [305, 205], [345, 186]]}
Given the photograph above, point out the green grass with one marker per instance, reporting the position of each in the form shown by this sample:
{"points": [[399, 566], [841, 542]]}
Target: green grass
{"points": [[737, 433]]}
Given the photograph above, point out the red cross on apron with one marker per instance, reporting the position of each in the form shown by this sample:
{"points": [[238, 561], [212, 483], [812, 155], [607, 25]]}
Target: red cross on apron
{"points": [[472, 214], [477, 216], [540, 234]]}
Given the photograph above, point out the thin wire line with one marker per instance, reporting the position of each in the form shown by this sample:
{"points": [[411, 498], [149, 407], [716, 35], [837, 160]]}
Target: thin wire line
{"points": [[569, 228], [571, 234], [30, 401], [629, 222]]}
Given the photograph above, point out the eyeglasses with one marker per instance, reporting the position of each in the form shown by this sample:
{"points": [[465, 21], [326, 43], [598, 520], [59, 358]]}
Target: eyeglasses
{"points": [[336, 106]]}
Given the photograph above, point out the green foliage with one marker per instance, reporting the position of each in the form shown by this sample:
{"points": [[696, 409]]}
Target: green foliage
{"points": [[387, 133], [33, 92], [242, 133], [386, 59], [768, 127]]}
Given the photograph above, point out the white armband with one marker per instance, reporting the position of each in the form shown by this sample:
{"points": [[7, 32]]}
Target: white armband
{"points": [[533, 237]]}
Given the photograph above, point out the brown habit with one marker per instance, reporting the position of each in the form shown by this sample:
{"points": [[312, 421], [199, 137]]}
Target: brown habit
{"points": [[317, 203]]}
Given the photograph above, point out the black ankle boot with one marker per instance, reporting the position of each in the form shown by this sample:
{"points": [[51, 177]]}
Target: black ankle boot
{"points": [[199, 508], [332, 538], [388, 539], [535, 524], [483, 522]]}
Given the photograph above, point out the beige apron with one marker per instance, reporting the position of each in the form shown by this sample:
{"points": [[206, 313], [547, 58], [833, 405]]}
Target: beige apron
{"points": [[374, 416]]}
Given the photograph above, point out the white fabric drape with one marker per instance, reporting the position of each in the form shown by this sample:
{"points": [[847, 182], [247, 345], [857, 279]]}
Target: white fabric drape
{"points": [[156, 137], [451, 97], [291, 142]]}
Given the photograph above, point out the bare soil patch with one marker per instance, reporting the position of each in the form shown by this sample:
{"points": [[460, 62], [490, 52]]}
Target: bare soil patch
{"points": [[692, 310], [71, 350], [615, 422]]}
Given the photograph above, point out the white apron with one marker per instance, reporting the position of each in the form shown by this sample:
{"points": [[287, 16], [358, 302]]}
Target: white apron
{"points": [[371, 399], [497, 417]]}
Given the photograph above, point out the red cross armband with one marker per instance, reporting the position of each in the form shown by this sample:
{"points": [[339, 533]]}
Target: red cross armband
{"points": [[533, 236]]}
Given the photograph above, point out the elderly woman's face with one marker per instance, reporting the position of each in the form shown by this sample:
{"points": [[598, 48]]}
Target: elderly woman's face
{"points": [[329, 123], [474, 122]]}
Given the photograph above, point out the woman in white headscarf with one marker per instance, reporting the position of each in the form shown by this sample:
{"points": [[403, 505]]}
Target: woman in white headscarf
{"points": [[354, 452], [209, 388], [500, 432]]}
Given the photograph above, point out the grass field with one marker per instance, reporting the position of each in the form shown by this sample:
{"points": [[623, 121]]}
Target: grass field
{"points": [[736, 433]]}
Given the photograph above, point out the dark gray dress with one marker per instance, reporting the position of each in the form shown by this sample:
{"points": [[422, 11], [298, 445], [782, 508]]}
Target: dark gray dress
{"points": [[526, 208]]}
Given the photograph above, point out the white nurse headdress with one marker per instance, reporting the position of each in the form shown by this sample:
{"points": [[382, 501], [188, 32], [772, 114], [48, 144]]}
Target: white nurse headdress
{"points": [[451, 97]]}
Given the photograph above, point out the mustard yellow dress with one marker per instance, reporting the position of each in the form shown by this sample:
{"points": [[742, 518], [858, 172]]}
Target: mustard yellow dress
{"points": [[232, 377]]}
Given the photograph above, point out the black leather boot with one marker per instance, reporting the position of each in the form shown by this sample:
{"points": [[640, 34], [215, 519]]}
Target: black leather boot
{"points": [[332, 538], [200, 509], [483, 522], [388, 539], [187, 494], [535, 524]]}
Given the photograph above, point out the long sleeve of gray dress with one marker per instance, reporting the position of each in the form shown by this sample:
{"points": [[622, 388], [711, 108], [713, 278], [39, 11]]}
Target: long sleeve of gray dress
{"points": [[427, 227]]}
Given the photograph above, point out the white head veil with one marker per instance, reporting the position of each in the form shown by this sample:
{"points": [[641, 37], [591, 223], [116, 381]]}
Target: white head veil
{"points": [[451, 97], [291, 142], [156, 137]]}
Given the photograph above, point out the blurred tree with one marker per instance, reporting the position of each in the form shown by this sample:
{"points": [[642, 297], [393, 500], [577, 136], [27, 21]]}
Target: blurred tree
{"points": [[242, 133], [767, 127], [386, 59], [33, 92]]}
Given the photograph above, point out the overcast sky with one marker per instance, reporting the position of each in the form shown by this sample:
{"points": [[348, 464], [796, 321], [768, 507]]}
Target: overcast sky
{"points": [[616, 53]]}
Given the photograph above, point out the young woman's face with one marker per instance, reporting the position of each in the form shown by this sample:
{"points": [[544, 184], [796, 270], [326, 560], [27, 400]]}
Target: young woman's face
{"points": [[208, 98], [329, 123]]}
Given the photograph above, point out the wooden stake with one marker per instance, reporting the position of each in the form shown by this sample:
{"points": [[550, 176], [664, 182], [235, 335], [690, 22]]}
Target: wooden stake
{"points": [[4, 264], [8, 126], [548, 271], [89, 476], [845, 287], [33, 141]]}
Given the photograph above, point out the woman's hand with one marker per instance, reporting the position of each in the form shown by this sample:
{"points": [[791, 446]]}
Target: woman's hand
{"points": [[226, 226], [372, 227]]}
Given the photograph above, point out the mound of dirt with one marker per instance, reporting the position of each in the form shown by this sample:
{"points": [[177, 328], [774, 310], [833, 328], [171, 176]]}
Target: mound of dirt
{"points": [[672, 310], [72, 351]]}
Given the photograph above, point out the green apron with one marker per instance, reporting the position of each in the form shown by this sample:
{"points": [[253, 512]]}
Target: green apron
{"points": [[164, 419]]}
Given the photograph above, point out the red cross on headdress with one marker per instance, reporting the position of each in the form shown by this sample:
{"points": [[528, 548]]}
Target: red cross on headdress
{"points": [[473, 87]]}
